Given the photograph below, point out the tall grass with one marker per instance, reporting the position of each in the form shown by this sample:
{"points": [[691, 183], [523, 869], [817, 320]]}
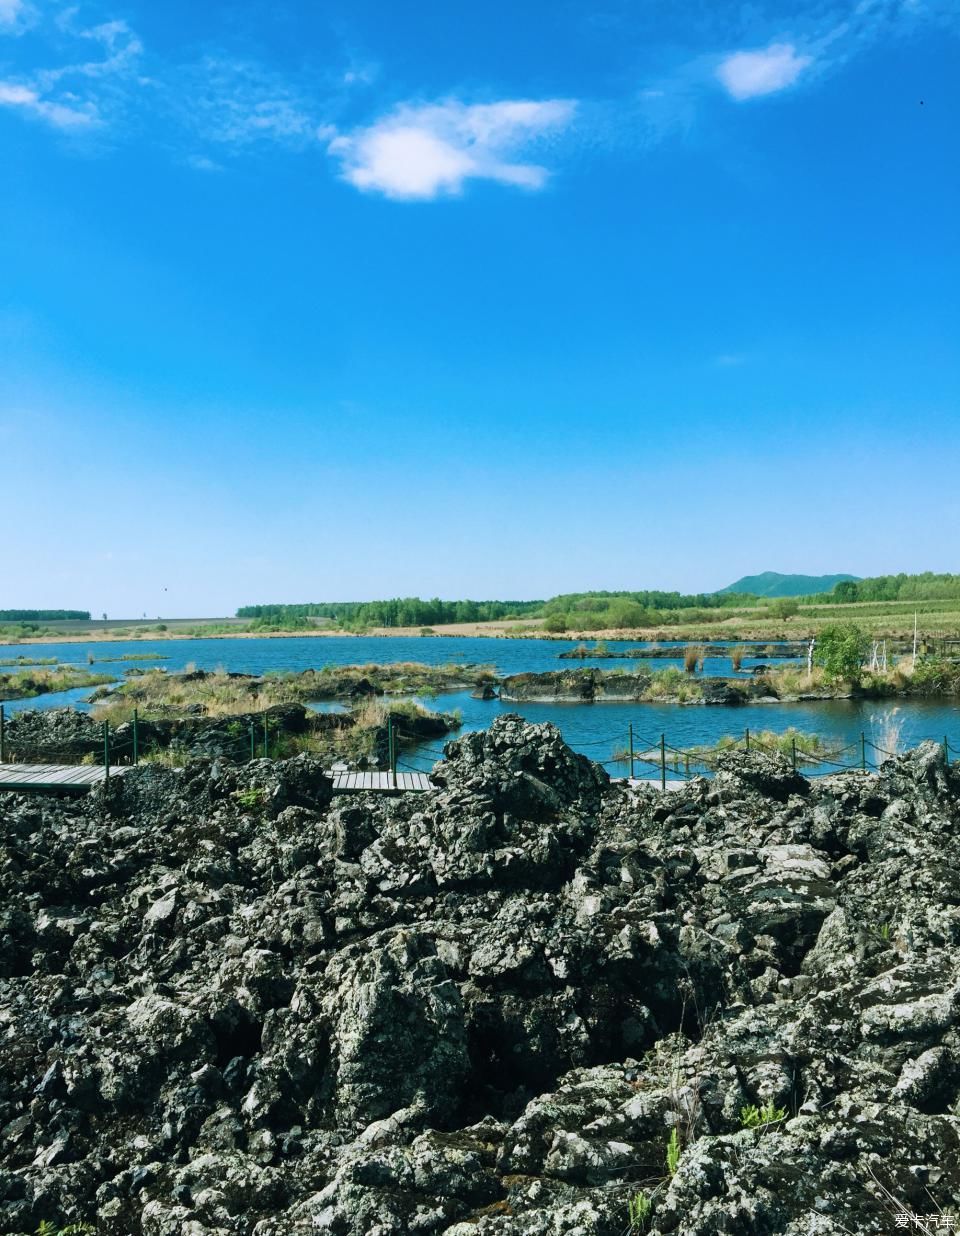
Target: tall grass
{"points": [[692, 658], [672, 684], [812, 747], [736, 657]]}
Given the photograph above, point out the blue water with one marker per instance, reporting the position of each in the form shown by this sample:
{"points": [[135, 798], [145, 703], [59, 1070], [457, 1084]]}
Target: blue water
{"points": [[257, 656], [595, 729], [77, 698], [598, 730]]}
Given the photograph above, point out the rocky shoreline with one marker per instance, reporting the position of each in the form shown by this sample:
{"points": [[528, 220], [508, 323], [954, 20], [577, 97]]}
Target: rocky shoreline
{"points": [[769, 652], [233, 1007], [663, 687]]}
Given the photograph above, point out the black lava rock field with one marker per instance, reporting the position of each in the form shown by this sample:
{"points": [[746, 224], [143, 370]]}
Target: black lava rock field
{"points": [[532, 1003]]}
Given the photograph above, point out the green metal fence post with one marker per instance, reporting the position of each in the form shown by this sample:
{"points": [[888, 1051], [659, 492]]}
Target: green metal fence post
{"points": [[746, 740], [3, 737], [106, 750], [266, 740], [631, 750], [136, 739], [663, 761], [793, 743], [863, 751], [946, 751], [253, 741]]}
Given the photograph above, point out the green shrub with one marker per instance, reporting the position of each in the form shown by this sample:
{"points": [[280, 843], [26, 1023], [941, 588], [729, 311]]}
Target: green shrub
{"points": [[933, 676], [555, 623], [839, 650]]}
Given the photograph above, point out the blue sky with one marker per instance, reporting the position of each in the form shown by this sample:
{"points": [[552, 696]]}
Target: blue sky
{"points": [[337, 301]]}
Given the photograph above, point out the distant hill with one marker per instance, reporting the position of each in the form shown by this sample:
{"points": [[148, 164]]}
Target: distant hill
{"points": [[772, 584]]}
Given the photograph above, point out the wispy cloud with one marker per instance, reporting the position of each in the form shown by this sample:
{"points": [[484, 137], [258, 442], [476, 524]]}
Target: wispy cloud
{"points": [[10, 12], [46, 94], [222, 105], [60, 115], [238, 103], [202, 163], [121, 46], [422, 152], [749, 74]]}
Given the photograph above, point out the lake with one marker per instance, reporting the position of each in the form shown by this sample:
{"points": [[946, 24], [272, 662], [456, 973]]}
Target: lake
{"points": [[595, 729]]}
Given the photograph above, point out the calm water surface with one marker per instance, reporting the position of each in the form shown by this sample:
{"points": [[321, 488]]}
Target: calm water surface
{"points": [[257, 656], [595, 729]]}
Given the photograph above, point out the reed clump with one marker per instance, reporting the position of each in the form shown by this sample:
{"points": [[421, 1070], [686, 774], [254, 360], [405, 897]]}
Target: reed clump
{"points": [[219, 694], [812, 748]]}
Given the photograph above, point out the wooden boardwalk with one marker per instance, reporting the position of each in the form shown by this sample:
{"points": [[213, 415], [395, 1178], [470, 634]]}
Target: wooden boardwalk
{"points": [[345, 782], [79, 777]]}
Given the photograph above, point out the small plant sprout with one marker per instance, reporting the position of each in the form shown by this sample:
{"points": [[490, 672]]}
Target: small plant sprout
{"points": [[881, 932], [638, 1210], [753, 1117], [46, 1228], [250, 798], [673, 1151]]}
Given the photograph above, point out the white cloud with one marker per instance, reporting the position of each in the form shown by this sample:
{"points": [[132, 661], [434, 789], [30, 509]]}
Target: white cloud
{"points": [[422, 152], [61, 115], [10, 11], [748, 74]]}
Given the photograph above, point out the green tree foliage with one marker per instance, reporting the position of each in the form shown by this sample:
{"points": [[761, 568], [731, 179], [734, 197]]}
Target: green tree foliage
{"points": [[927, 586], [585, 611], [784, 607], [840, 649], [396, 612], [44, 615]]}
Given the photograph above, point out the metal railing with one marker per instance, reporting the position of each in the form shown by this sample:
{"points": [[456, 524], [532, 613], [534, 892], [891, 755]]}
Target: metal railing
{"points": [[257, 740]]}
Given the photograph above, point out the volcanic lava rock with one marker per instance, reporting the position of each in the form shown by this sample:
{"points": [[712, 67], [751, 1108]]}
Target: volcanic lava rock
{"points": [[232, 1007]]}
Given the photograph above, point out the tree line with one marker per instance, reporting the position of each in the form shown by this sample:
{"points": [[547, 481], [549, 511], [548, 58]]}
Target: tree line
{"points": [[396, 612], [44, 615], [925, 586]]}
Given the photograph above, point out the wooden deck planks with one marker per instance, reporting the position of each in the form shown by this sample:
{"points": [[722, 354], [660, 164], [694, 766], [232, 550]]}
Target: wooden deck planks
{"points": [[28, 777], [53, 776], [380, 783]]}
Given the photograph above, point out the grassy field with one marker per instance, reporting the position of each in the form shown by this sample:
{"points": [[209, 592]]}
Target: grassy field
{"points": [[889, 620]]}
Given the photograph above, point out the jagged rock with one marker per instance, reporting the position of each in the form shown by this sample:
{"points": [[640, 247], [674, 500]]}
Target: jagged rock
{"points": [[229, 1007]]}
